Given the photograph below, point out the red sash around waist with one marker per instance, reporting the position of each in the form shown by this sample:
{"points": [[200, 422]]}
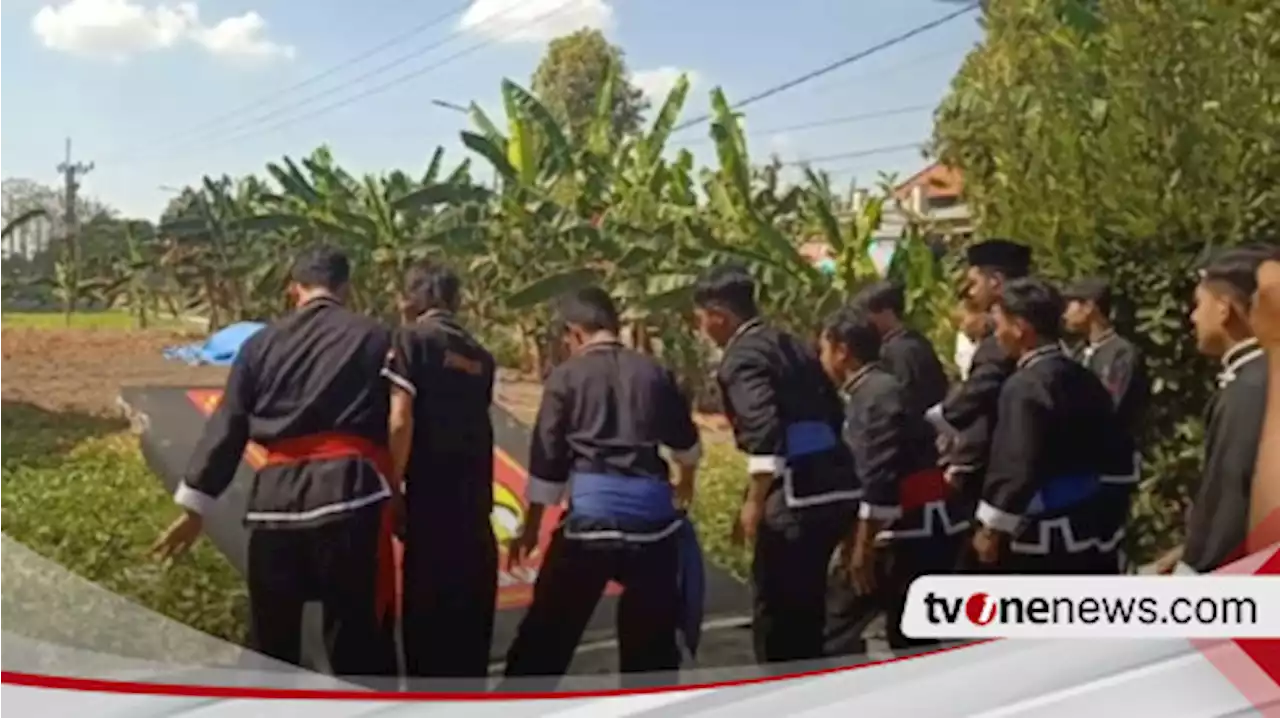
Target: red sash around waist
{"points": [[923, 487], [335, 445]]}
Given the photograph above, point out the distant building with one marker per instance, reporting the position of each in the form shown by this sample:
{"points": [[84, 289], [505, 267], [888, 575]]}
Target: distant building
{"points": [[931, 196]]}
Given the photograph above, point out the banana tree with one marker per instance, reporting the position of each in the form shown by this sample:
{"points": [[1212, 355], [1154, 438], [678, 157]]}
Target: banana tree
{"points": [[849, 233], [10, 284], [383, 222], [132, 278], [593, 209], [753, 227], [228, 254]]}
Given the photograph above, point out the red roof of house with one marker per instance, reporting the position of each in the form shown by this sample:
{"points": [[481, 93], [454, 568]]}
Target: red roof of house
{"points": [[937, 180]]}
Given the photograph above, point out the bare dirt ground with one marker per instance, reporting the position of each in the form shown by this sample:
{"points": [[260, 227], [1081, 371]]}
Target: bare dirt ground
{"points": [[82, 370]]}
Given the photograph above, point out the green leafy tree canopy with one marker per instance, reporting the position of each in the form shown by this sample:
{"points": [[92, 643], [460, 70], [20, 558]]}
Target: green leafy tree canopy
{"points": [[572, 74]]}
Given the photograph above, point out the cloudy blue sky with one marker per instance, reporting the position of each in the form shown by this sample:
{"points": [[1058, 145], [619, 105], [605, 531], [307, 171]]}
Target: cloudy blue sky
{"points": [[158, 94]]}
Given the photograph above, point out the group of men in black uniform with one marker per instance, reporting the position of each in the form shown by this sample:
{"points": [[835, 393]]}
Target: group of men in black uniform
{"points": [[864, 470]]}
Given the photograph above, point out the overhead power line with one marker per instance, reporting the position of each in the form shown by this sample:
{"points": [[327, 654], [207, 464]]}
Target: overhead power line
{"points": [[869, 152], [829, 122], [827, 69], [277, 95], [889, 70], [253, 126]]}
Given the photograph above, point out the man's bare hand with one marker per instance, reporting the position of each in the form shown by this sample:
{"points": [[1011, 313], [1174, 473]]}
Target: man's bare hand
{"points": [[399, 513], [522, 546], [860, 559], [684, 492], [178, 538], [748, 523], [987, 545]]}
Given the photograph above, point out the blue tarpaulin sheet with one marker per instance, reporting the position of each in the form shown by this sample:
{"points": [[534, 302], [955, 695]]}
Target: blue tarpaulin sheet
{"points": [[218, 350]]}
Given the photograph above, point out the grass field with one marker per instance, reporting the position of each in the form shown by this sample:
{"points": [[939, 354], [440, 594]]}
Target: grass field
{"points": [[77, 490], [111, 319]]}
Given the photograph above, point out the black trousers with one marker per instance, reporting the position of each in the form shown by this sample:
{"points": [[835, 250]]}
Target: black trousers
{"points": [[450, 591], [572, 579], [897, 565], [336, 564], [789, 576]]}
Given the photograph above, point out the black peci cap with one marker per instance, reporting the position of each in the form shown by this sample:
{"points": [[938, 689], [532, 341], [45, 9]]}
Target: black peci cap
{"points": [[1000, 254]]}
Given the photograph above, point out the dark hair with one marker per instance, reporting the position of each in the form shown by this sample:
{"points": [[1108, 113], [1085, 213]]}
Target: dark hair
{"points": [[1000, 257], [432, 286], [321, 267], [1036, 302], [852, 328], [728, 287], [1234, 271], [1007, 272], [591, 309], [881, 296], [1091, 289]]}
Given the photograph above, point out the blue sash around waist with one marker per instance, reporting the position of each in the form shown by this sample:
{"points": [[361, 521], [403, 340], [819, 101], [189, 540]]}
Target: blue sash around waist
{"points": [[809, 437], [1063, 493], [621, 498]]}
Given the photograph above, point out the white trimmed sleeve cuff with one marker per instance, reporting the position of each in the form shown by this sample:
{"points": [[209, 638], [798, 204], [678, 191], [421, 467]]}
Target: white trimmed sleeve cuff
{"points": [[997, 519], [879, 513], [400, 381], [764, 464], [192, 500], [939, 422], [547, 493], [689, 457]]}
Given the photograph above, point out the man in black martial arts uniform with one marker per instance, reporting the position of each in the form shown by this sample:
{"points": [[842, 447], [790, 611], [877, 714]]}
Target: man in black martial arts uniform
{"points": [[803, 493], [909, 523], [308, 389], [1056, 437], [1117, 363], [904, 352], [442, 443], [967, 417], [1218, 521], [604, 414]]}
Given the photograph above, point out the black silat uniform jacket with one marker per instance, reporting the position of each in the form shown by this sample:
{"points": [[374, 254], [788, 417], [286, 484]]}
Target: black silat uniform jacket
{"points": [[1055, 421], [783, 408], [891, 444], [1218, 523], [316, 371], [970, 412], [607, 410], [451, 378], [909, 357], [1118, 365]]}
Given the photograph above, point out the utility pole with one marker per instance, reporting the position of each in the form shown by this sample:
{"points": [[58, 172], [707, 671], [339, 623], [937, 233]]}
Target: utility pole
{"points": [[71, 174]]}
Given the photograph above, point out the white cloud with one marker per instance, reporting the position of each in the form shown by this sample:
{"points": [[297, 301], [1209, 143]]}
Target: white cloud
{"points": [[656, 84], [119, 29], [243, 36], [535, 20]]}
